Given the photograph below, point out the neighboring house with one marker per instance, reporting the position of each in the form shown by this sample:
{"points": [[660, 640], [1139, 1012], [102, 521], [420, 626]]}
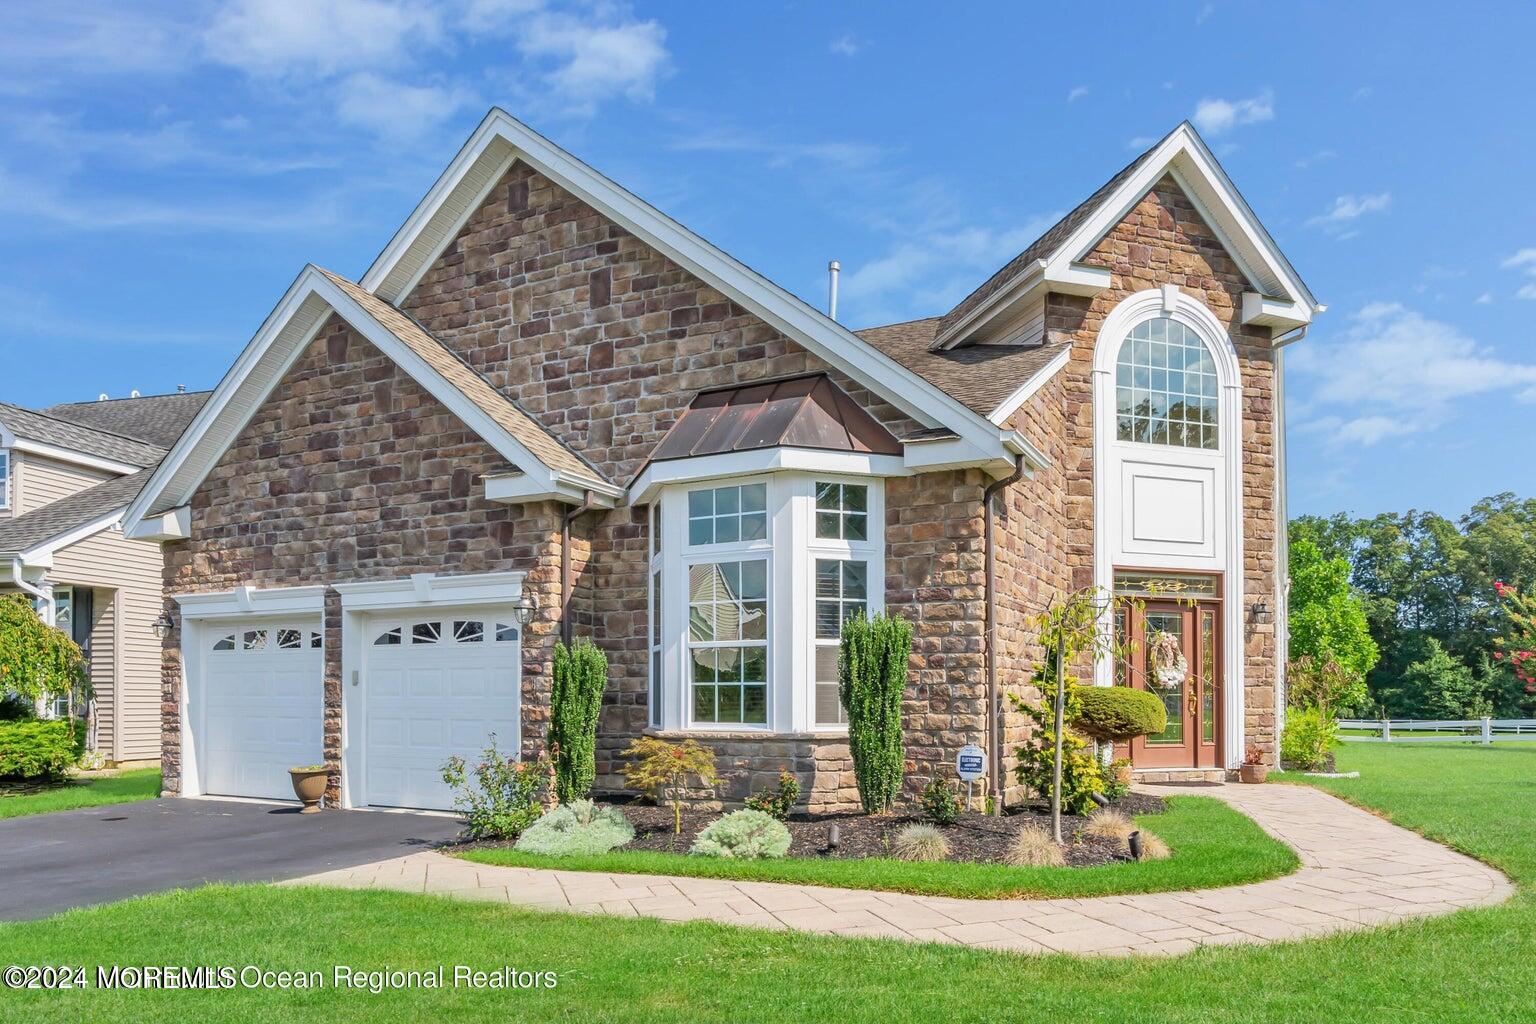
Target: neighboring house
{"points": [[547, 400], [67, 473]]}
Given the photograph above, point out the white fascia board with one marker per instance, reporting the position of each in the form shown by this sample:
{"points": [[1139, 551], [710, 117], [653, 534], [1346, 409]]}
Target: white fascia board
{"points": [[190, 447], [1265, 311], [246, 601], [1029, 388], [61, 454], [824, 337], [425, 588], [173, 525], [761, 460], [1185, 155], [522, 488], [42, 553]]}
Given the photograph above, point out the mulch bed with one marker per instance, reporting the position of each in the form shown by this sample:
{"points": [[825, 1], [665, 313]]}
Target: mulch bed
{"points": [[975, 837]]}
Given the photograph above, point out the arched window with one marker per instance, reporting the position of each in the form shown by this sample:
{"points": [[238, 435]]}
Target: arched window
{"points": [[1166, 387]]}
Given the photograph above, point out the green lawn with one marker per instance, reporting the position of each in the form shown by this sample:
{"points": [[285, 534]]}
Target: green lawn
{"points": [[138, 784], [1213, 846], [1476, 966]]}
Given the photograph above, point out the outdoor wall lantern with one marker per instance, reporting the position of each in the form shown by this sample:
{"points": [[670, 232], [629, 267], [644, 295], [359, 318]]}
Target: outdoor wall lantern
{"points": [[1261, 611], [163, 625], [525, 608]]}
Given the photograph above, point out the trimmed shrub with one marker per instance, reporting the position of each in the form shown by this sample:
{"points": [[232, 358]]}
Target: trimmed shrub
{"points": [[939, 802], [1308, 738], [920, 843], [1033, 847], [1109, 824], [498, 796], [1115, 714], [15, 708], [36, 750], [577, 679], [777, 802], [743, 835], [577, 828], [871, 678]]}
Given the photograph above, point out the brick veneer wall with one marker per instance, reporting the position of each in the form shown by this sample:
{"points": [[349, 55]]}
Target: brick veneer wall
{"points": [[1163, 240]]}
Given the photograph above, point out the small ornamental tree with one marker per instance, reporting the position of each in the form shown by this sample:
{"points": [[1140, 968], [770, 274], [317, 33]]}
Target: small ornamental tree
{"points": [[37, 662], [658, 768], [871, 679], [1516, 646], [576, 697]]}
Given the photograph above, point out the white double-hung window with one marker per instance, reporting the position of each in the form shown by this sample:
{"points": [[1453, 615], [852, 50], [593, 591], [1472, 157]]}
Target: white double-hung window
{"points": [[750, 581]]}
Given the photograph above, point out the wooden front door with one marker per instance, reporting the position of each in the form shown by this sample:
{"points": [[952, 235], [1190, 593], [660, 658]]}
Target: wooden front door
{"points": [[1193, 736]]}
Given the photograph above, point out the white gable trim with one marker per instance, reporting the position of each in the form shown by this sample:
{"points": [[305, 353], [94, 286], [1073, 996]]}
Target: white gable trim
{"points": [[501, 139], [1185, 156], [41, 553], [283, 337]]}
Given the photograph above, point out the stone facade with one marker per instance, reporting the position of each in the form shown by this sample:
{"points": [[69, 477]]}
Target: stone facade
{"points": [[350, 471]]}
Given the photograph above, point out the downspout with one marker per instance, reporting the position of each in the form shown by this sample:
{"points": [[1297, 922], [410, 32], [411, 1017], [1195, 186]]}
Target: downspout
{"points": [[1282, 529], [20, 582], [994, 693], [587, 505]]}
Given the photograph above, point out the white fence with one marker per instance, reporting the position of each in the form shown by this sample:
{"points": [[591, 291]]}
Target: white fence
{"points": [[1469, 730]]}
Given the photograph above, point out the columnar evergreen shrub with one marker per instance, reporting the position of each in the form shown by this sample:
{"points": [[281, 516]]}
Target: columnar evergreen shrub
{"points": [[872, 677], [576, 697]]}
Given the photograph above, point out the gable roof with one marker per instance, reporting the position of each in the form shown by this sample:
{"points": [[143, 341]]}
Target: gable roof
{"points": [[1051, 263], [501, 140], [153, 419], [122, 453], [306, 306], [73, 512], [805, 411], [984, 377]]}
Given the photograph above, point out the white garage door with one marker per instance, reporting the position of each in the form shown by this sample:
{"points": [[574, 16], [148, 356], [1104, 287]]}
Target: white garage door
{"points": [[263, 694], [435, 685]]}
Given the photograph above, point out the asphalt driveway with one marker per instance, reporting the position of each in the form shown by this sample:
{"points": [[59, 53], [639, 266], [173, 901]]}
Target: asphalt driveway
{"points": [[52, 862]]}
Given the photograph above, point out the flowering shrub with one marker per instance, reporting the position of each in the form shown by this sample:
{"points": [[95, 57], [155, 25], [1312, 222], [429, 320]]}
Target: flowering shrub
{"points": [[777, 802], [1517, 645], [499, 796]]}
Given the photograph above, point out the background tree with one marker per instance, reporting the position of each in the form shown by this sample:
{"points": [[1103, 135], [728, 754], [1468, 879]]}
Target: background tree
{"points": [[1327, 617]]}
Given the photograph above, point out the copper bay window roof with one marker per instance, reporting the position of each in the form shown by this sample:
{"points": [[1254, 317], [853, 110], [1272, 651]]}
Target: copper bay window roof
{"points": [[807, 411]]}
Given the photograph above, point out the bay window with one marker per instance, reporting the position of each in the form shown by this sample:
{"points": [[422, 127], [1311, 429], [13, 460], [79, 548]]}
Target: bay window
{"points": [[750, 582]]}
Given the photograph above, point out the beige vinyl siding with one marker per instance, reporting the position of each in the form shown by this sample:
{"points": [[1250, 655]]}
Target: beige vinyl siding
{"points": [[128, 695], [42, 481]]}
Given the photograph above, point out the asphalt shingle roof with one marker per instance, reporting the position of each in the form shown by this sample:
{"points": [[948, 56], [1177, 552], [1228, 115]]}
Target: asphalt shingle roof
{"points": [[60, 517], [154, 419], [980, 377], [50, 429]]}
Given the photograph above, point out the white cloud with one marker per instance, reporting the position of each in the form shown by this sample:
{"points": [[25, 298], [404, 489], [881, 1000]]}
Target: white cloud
{"points": [[1215, 116], [320, 38], [1484, 299], [595, 60], [83, 38], [395, 110], [1321, 156], [845, 155], [1346, 209], [1140, 142], [1525, 262], [846, 46], [1395, 372], [1077, 93], [1205, 12]]}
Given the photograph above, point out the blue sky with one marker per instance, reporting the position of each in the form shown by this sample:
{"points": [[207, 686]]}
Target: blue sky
{"points": [[166, 169]]}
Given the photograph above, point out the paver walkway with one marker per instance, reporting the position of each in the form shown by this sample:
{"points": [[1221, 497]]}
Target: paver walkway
{"points": [[1357, 871]]}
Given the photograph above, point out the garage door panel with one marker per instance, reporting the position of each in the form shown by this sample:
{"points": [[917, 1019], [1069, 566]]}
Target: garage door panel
{"points": [[262, 710], [427, 702]]}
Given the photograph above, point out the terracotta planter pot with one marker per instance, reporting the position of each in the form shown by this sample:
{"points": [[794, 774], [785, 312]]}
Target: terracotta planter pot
{"points": [[309, 787], [1253, 774]]}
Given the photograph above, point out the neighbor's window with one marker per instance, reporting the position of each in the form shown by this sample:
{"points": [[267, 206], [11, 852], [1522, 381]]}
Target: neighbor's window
{"points": [[728, 641], [842, 591], [5, 479], [1166, 387], [725, 515], [842, 511]]}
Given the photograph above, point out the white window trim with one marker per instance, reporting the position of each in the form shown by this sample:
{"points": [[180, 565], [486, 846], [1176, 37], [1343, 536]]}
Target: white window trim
{"points": [[1170, 301], [5, 487], [791, 549]]}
